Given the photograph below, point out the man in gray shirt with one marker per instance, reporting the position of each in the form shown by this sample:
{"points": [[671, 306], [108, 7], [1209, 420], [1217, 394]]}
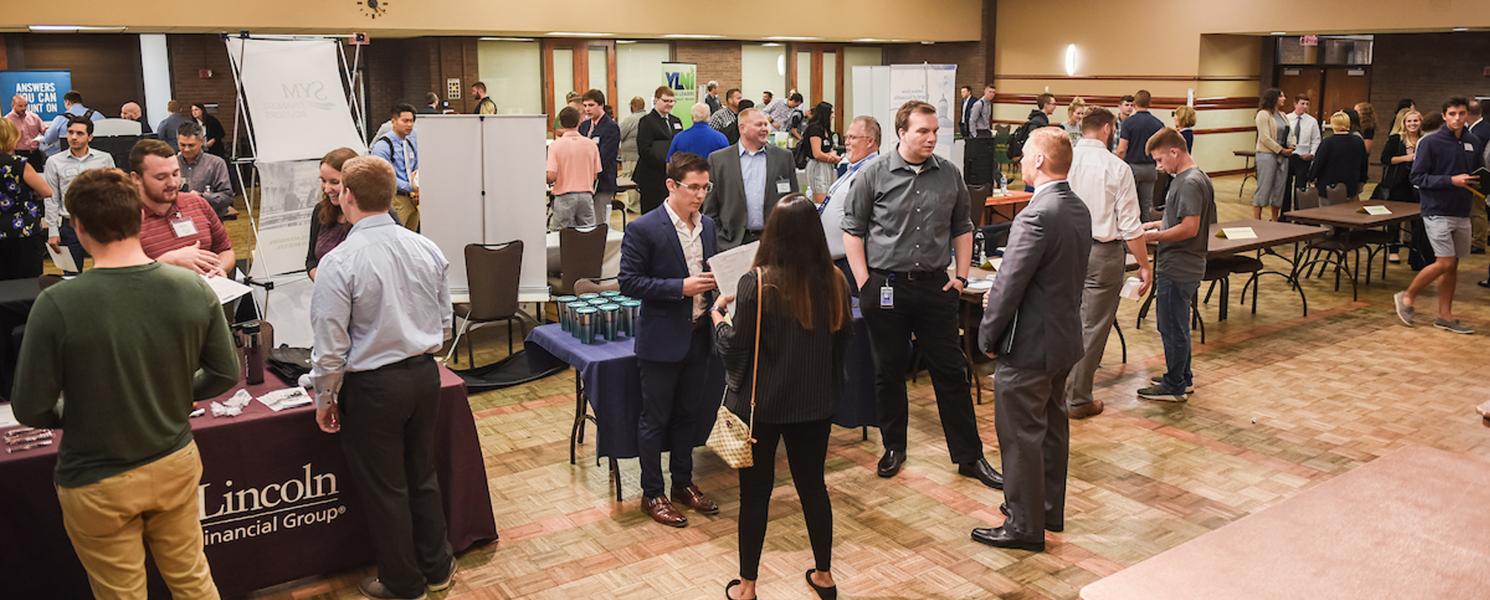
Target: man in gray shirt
{"points": [[204, 173], [980, 119], [380, 309], [1183, 237], [904, 213], [61, 169], [166, 130]]}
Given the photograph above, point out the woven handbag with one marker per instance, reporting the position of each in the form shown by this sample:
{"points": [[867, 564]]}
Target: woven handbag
{"points": [[731, 437]]}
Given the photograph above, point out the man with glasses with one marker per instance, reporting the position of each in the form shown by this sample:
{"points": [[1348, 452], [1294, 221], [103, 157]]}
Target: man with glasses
{"points": [[664, 263], [654, 133]]}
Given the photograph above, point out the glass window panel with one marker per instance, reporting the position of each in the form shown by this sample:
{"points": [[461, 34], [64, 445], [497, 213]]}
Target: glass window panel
{"points": [[563, 82], [513, 74]]}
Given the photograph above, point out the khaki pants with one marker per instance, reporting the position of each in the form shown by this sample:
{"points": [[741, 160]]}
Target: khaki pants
{"points": [[632, 198], [111, 521], [406, 210], [1479, 224]]}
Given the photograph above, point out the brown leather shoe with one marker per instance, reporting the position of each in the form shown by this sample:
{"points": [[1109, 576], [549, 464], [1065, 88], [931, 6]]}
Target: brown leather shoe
{"points": [[695, 499], [663, 512], [1086, 410]]}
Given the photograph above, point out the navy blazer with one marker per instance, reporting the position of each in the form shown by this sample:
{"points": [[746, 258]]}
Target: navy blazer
{"points": [[653, 270], [609, 138]]}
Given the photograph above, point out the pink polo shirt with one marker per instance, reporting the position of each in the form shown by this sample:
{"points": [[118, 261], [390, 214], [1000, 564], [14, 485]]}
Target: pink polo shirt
{"points": [[575, 159], [29, 126]]}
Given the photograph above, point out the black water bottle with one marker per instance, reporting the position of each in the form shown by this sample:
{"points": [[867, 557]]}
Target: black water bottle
{"points": [[254, 356]]}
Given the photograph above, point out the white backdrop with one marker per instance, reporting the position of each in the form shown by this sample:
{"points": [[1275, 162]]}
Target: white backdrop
{"points": [[288, 195], [481, 181], [879, 91], [295, 97]]}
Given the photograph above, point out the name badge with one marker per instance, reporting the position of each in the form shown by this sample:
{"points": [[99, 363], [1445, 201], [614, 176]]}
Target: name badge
{"points": [[887, 296], [1468, 147], [183, 226], [783, 186], [677, 125]]}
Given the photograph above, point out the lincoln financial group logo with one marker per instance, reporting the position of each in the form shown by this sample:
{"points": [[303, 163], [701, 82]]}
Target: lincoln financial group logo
{"points": [[233, 513]]}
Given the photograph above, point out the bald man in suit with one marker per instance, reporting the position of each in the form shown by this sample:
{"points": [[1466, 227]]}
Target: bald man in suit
{"points": [[1032, 325]]}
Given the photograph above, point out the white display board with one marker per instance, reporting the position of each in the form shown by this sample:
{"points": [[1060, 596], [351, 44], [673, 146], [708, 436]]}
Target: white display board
{"points": [[880, 90], [295, 97], [481, 180], [288, 194]]}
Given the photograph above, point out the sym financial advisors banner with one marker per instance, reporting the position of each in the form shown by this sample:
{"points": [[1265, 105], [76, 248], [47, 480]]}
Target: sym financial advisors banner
{"points": [[935, 84], [43, 90], [683, 79], [295, 98], [288, 195]]}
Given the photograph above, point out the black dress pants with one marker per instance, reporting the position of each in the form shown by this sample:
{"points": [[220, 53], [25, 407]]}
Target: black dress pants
{"points": [[806, 454], [387, 435], [22, 257], [675, 412], [921, 308], [1035, 444]]}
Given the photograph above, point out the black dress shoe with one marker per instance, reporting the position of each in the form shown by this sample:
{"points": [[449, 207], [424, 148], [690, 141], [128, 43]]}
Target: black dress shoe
{"points": [[825, 593], [1004, 509], [1484, 283], [891, 462], [982, 471], [999, 537]]}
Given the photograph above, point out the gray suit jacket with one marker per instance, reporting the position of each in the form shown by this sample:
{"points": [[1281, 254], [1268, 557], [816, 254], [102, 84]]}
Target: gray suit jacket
{"points": [[726, 204], [1033, 320]]}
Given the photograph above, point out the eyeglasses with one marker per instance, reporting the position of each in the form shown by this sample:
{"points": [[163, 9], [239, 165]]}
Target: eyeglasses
{"points": [[696, 188]]}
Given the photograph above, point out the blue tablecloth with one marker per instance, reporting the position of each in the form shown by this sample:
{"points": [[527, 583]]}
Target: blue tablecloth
{"points": [[612, 380]]}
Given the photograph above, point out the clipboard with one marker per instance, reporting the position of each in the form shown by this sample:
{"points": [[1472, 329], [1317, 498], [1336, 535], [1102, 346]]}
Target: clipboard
{"points": [[1006, 344]]}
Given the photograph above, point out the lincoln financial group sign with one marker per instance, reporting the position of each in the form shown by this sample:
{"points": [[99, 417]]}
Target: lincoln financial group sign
{"points": [[231, 512]]}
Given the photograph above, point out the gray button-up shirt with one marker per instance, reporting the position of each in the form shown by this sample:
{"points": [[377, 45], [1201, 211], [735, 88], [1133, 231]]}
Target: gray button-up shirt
{"points": [[980, 117], [380, 297], [907, 219], [208, 176], [61, 169]]}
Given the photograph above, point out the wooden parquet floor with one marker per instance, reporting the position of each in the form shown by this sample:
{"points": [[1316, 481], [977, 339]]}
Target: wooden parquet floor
{"points": [[1283, 402]]}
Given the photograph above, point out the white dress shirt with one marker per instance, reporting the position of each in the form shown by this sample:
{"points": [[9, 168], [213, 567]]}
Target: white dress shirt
{"points": [[1105, 183], [692, 242], [1305, 140], [380, 297]]}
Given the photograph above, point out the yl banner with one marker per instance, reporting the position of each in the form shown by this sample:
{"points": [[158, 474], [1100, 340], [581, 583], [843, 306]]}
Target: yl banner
{"points": [[43, 90], [295, 97], [683, 79], [288, 195]]}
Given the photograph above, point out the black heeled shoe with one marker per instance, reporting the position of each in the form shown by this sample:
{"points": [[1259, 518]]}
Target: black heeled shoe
{"points": [[826, 593], [734, 582]]}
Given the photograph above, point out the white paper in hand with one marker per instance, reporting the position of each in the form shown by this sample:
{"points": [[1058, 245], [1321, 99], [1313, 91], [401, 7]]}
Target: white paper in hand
{"points": [[226, 289], [730, 265], [63, 259]]}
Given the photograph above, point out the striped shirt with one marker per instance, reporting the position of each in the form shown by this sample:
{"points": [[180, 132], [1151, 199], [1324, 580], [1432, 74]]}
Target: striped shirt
{"points": [[158, 236]]}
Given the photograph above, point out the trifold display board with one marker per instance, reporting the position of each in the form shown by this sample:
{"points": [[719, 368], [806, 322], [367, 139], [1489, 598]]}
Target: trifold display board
{"points": [[481, 180], [879, 92]]}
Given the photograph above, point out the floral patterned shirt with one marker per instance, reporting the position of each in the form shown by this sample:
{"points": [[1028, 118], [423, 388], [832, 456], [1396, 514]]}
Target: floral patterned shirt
{"points": [[20, 211]]}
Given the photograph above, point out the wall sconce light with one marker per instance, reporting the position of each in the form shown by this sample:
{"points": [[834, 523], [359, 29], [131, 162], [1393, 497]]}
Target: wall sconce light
{"points": [[1070, 60]]}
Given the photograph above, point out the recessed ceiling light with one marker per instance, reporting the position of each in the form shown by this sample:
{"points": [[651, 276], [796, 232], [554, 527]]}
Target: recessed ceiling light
{"points": [[792, 38], [74, 29], [506, 39], [578, 34], [1461, 29], [869, 40], [693, 36], [1279, 33], [770, 45], [625, 41], [926, 43]]}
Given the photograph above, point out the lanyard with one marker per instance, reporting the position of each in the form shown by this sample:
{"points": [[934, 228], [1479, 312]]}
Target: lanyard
{"points": [[854, 168]]}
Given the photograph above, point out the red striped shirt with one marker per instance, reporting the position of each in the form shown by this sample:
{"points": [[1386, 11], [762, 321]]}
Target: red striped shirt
{"points": [[157, 236]]}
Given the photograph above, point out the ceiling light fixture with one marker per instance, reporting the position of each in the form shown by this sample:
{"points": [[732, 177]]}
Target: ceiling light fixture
{"points": [[1070, 60], [74, 29], [1461, 29], [1279, 33], [693, 36], [792, 38], [507, 39], [578, 34]]}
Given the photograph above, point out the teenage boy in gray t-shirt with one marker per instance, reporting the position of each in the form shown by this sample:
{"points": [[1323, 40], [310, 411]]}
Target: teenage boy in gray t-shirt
{"points": [[1183, 235]]}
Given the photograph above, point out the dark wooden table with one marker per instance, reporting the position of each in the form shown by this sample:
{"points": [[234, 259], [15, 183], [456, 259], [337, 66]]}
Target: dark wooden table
{"points": [[1352, 215], [1012, 200]]}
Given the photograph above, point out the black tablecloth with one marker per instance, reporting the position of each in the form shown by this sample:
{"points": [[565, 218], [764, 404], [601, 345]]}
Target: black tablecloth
{"points": [[16, 298], [275, 456]]}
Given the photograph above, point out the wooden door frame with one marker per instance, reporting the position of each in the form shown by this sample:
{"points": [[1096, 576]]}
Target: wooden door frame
{"points": [[581, 79], [816, 91]]}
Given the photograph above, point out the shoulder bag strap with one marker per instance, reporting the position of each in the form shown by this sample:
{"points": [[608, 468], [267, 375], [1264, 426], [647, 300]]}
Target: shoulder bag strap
{"points": [[755, 365]]}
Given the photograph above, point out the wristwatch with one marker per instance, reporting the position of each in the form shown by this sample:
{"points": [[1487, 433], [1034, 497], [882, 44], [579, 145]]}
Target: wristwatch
{"points": [[962, 279], [721, 310]]}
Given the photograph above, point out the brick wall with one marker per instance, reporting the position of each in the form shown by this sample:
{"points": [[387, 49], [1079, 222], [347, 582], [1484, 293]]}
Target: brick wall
{"points": [[189, 54], [717, 61], [1427, 67]]}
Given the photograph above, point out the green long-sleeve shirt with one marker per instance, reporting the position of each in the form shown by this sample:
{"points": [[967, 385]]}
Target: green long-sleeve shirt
{"points": [[129, 350]]}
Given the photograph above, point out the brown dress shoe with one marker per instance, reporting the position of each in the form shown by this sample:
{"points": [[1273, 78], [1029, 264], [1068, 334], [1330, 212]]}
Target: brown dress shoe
{"points": [[1086, 410], [663, 512], [695, 499]]}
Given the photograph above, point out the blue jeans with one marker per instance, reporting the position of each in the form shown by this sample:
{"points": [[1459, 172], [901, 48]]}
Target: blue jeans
{"points": [[1173, 299]]}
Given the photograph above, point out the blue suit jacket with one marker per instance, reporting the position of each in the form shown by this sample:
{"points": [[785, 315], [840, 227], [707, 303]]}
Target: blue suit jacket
{"points": [[653, 270]]}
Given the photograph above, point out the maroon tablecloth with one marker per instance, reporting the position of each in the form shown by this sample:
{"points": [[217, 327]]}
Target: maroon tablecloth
{"points": [[277, 504]]}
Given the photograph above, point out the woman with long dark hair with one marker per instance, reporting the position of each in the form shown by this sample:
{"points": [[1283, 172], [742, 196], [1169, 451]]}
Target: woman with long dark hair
{"points": [[823, 168], [804, 330], [328, 225], [211, 128], [1272, 153]]}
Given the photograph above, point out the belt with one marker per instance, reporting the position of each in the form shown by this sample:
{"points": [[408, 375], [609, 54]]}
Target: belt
{"points": [[912, 275]]}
